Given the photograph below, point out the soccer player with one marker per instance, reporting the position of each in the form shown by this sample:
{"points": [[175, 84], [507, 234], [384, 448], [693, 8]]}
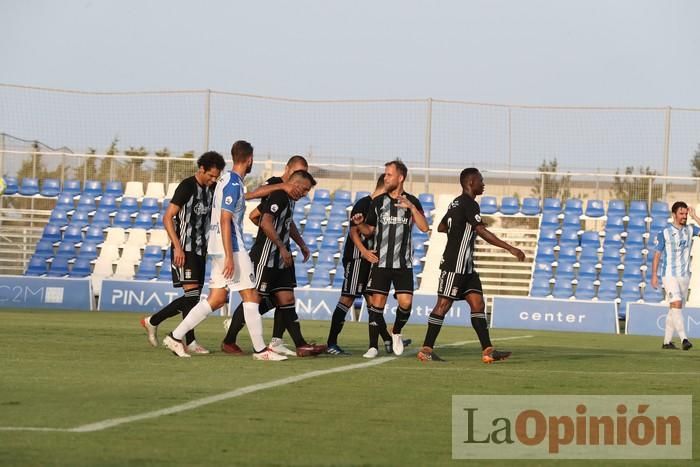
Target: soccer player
{"points": [[191, 206], [390, 220], [358, 257], [274, 266], [673, 244], [234, 325], [232, 269], [458, 279]]}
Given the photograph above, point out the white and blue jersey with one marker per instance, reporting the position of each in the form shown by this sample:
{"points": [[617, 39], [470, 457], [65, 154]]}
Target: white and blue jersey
{"points": [[229, 196], [674, 244]]}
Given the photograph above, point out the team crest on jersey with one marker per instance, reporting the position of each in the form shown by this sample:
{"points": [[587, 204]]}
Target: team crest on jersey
{"points": [[263, 286], [454, 291], [188, 274], [274, 208], [228, 200]]}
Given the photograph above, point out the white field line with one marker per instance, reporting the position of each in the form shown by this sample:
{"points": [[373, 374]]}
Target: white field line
{"points": [[112, 422]]}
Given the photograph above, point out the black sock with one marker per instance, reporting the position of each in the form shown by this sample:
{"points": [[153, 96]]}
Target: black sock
{"points": [[191, 299], [237, 323], [289, 314], [434, 326], [401, 319], [376, 315], [383, 328], [170, 310], [337, 322], [279, 325], [265, 305], [482, 329]]}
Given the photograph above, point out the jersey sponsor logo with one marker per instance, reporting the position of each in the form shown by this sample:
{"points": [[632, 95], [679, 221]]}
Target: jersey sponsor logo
{"points": [[274, 208], [387, 219], [228, 200]]}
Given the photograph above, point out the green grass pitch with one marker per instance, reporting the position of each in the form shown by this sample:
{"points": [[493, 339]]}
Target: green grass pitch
{"points": [[68, 369]]}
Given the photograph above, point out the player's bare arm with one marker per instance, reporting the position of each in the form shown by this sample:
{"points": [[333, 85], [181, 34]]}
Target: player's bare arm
{"points": [[359, 221], [654, 269], [487, 235], [291, 189], [299, 240], [255, 216], [369, 255], [442, 228], [268, 227], [692, 213], [178, 252], [418, 217], [226, 223]]}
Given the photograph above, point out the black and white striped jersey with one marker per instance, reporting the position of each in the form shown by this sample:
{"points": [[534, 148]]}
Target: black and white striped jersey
{"points": [[461, 219], [392, 233], [264, 251], [192, 220]]}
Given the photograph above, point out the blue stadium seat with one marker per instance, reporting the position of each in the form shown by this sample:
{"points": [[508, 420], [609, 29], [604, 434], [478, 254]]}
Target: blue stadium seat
{"points": [[299, 212], [79, 219], [660, 209], [129, 204], [361, 194], [418, 250], [547, 237], [150, 205], [595, 208], [322, 196], [114, 188], [427, 200], [164, 206], [585, 290], [329, 243], [587, 270], [565, 272], [657, 224], [634, 240], [653, 295], [101, 219], [248, 240], [317, 211], [29, 186], [488, 205], [301, 275], [510, 205], [614, 224], [44, 248], [572, 219], [108, 203], [11, 185], [73, 233], [607, 291], [58, 218], [589, 253], [613, 239], [542, 270], [540, 289], [636, 223], [616, 207], [573, 206], [122, 219], [611, 253], [153, 252], [545, 253], [36, 266], [52, 232], [551, 205], [93, 187], [342, 197], [144, 220], [338, 280], [147, 270], [66, 249], [590, 239], [609, 272], [312, 227], [629, 293], [72, 187], [334, 228], [165, 272], [59, 266], [638, 208], [634, 254], [304, 200], [531, 206], [550, 219], [632, 272], [88, 250], [50, 187], [65, 202], [325, 257], [311, 241], [567, 254], [320, 279], [569, 237], [81, 267], [563, 290], [87, 201]]}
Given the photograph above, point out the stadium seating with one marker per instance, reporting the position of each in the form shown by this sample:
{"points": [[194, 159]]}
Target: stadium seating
{"points": [[594, 208], [155, 190], [509, 205], [37, 266], [147, 270], [73, 233], [488, 205], [81, 267], [144, 220], [587, 271], [616, 207], [93, 187], [11, 185], [171, 189], [638, 208], [322, 196], [114, 188], [573, 206], [72, 187], [52, 231], [59, 267], [50, 187], [585, 290], [660, 209], [530, 207], [551, 205], [135, 190], [29, 186]]}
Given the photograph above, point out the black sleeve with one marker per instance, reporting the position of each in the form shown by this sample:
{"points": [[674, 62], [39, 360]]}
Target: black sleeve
{"points": [[362, 206], [472, 213], [183, 192], [371, 218], [275, 203], [416, 202]]}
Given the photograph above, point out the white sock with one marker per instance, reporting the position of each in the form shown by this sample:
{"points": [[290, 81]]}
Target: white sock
{"points": [[194, 317], [253, 322], [678, 323], [668, 332]]}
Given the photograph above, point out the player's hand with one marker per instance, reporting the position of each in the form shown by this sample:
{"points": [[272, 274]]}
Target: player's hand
{"points": [[518, 253], [287, 257], [691, 211], [306, 253], [358, 218], [370, 256], [228, 267], [179, 257], [402, 202], [293, 190], [655, 281]]}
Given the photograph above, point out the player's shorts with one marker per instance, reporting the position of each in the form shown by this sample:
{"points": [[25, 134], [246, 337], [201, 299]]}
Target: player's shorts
{"points": [[457, 286], [192, 272], [381, 279], [243, 273], [356, 275], [676, 288], [273, 280]]}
